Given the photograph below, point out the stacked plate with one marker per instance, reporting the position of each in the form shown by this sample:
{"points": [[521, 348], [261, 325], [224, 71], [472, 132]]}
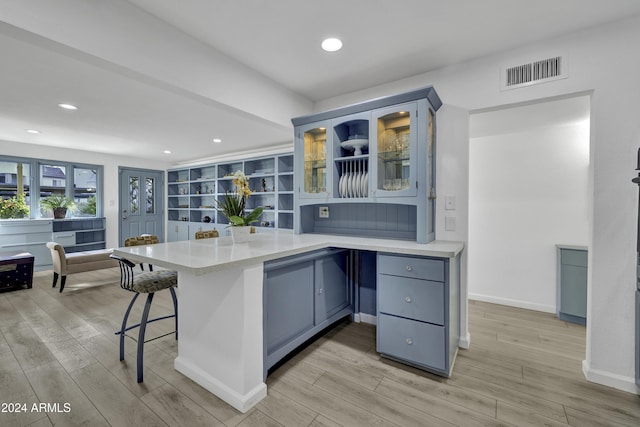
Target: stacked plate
{"points": [[354, 181]]}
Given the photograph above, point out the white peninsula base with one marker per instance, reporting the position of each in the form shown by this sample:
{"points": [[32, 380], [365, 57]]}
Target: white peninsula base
{"points": [[220, 333]]}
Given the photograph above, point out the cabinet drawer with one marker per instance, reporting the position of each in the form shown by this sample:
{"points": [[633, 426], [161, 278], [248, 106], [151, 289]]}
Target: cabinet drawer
{"points": [[413, 341], [406, 266], [65, 238], [411, 298]]}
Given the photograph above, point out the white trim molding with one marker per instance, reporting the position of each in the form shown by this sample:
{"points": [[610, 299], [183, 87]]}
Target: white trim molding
{"points": [[513, 303], [608, 379]]}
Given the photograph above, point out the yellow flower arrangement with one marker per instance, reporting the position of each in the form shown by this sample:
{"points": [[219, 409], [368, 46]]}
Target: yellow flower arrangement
{"points": [[233, 205]]}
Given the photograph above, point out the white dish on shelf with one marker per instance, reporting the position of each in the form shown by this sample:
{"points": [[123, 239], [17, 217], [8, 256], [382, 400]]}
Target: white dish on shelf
{"points": [[365, 184], [354, 187], [355, 144], [343, 179]]}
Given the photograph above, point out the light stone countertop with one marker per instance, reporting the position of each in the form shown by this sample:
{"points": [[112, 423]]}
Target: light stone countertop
{"points": [[207, 255]]}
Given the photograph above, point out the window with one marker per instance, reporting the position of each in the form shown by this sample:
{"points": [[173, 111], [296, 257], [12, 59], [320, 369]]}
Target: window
{"points": [[32, 180], [85, 186], [15, 179]]}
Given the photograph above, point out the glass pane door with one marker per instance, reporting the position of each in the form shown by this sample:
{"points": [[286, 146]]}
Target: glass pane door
{"points": [[315, 160], [395, 147]]}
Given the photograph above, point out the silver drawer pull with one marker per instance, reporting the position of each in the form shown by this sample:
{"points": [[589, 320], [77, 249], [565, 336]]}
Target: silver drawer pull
{"points": [[409, 341], [409, 268], [407, 299]]}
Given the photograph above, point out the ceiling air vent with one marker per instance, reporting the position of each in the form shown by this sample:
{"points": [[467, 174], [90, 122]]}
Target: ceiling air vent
{"points": [[534, 73]]}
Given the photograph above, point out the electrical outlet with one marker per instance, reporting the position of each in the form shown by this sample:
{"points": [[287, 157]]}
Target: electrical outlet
{"points": [[450, 223], [324, 212]]}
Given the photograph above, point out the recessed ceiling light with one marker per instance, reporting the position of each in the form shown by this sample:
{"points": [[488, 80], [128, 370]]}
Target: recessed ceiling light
{"points": [[32, 131], [167, 151], [217, 140], [331, 44], [68, 106]]}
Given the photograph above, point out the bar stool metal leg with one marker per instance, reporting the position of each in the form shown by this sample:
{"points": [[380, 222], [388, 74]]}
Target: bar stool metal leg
{"points": [[175, 308], [143, 328], [124, 325]]}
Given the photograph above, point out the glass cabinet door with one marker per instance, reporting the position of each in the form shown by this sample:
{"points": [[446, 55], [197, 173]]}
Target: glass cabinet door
{"points": [[313, 140], [396, 148]]}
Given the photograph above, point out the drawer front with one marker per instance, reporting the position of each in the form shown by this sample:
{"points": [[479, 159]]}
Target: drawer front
{"points": [[413, 341], [411, 298], [24, 239], [65, 238], [417, 268], [24, 227]]}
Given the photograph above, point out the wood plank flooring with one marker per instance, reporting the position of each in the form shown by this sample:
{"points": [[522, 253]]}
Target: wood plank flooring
{"points": [[523, 369]]}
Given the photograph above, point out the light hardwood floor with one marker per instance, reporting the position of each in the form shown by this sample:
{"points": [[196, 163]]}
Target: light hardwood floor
{"points": [[523, 369]]}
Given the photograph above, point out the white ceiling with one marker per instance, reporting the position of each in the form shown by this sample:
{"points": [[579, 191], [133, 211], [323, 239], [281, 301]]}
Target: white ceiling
{"points": [[234, 69]]}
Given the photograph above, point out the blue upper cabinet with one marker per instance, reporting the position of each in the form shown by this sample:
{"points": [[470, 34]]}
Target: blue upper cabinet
{"points": [[395, 150], [313, 160], [372, 165]]}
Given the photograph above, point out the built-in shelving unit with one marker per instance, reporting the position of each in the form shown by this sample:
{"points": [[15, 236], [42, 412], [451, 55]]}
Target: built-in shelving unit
{"points": [[80, 234], [193, 194]]}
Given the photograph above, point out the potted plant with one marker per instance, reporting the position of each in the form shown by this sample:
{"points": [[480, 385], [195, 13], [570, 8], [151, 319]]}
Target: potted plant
{"points": [[14, 207], [233, 208], [58, 203]]}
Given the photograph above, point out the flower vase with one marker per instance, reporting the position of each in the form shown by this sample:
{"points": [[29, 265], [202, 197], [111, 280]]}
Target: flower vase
{"points": [[241, 234]]}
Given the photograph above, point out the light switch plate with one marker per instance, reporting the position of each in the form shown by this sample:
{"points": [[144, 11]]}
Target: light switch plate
{"points": [[324, 212], [450, 203]]}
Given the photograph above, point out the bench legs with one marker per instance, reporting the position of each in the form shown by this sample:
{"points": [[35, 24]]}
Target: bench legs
{"points": [[62, 281]]}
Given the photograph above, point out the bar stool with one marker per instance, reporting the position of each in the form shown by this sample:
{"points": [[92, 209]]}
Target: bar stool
{"points": [[143, 239], [148, 283], [206, 234]]}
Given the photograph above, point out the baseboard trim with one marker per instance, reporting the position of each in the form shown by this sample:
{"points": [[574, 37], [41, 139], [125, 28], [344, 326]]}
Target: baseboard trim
{"points": [[241, 402], [608, 379], [465, 341], [512, 303], [366, 318]]}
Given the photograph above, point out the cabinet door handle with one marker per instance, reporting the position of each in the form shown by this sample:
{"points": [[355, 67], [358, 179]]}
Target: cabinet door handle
{"points": [[409, 341], [409, 268], [321, 290], [407, 299]]}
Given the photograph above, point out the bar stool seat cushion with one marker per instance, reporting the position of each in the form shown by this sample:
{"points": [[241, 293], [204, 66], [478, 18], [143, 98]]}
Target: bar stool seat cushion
{"points": [[154, 281]]}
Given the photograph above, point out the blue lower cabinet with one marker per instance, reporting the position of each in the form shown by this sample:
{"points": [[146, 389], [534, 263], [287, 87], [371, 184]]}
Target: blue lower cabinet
{"points": [[289, 304], [417, 314], [572, 284], [303, 295], [332, 290]]}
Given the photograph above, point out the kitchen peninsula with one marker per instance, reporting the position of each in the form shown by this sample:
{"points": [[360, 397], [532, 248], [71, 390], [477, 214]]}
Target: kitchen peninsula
{"points": [[222, 300]]}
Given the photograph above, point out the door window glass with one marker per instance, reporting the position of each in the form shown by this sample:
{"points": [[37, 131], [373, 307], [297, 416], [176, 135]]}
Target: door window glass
{"points": [[134, 195], [151, 200]]}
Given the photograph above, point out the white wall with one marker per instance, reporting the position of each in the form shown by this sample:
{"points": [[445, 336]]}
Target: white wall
{"points": [[528, 191], [602, 60], [110, 163]]}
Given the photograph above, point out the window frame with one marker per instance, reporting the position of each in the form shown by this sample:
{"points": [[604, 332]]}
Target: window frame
{"points": [[34, 181]]}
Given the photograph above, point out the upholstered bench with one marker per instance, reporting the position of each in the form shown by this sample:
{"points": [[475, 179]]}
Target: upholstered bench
{"points": [[77, 262]]}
